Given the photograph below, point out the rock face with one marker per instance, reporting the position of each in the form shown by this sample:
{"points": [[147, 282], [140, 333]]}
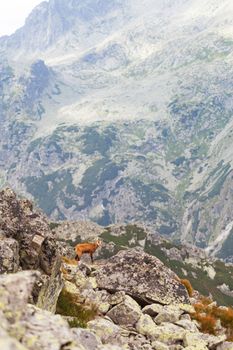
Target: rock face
{"points": [[15, 290], [29, 242], [26, 327], [51, 289], [9, 255], [142, 276]]}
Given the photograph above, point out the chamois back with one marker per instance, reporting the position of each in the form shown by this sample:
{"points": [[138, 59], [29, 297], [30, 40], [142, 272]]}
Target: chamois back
{"points": [[89, 248]]}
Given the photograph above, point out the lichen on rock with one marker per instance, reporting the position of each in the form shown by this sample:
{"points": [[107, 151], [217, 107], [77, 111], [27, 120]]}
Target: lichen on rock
{"points": [[142, 276]]}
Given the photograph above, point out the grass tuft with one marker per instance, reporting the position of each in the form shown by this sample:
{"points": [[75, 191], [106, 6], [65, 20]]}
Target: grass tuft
{"points": [[68, 305]]}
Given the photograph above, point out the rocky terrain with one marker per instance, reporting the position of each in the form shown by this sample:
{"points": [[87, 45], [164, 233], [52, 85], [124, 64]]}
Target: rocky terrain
{"points": [[210, 276], [122, 111], [130, 300]]}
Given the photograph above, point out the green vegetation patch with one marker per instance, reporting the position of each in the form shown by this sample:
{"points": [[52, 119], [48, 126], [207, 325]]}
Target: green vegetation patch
{"points": [[67, 305], [46, 189], [150, 192], [53, 225], [128, 238], [95, 177], [97, 141]]}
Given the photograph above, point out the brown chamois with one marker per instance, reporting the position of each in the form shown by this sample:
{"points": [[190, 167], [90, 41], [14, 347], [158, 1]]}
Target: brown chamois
{"points": [[89, 248]]}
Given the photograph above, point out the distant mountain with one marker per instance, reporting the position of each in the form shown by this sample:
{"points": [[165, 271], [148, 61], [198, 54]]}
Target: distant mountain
{"points": [[122, 110]]}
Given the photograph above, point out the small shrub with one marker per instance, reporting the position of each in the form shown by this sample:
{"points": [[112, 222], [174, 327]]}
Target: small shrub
{"points": [[188, 286], [199, 307], [53, 225], [226, 317], [205, 300], [77, 323], [207, 317], [207, 322]]}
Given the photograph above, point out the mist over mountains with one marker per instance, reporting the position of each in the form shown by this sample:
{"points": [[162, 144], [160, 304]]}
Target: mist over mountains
{"points": [[121, 111]]}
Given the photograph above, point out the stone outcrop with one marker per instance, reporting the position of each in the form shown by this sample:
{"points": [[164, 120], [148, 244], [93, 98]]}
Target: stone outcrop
{"points": [[9, 255], [30, 243], [142, 276], [51, 288], [126, 313]]}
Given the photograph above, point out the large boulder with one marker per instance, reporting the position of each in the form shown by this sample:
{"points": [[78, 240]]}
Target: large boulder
{"points": [[30, 228], [87, 339], [15, 291], [126, 313], [142, 276], [46, 331]]}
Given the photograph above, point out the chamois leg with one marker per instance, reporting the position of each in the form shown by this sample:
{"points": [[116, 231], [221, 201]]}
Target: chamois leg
{"points": [[91, 258], [77, 258]]}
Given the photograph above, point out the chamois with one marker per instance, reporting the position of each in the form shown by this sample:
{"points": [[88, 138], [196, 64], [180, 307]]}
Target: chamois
{"points": [[89, 248]]}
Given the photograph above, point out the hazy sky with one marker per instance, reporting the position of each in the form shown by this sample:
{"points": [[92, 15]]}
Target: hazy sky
{"points": [[13, 14]]}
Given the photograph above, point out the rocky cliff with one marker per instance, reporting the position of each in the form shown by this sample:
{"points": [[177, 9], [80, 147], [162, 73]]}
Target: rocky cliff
{"points": [[26, 239]]}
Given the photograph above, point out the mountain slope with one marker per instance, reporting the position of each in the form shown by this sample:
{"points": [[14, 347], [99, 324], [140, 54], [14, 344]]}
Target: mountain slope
{"points": [[122, 111]]}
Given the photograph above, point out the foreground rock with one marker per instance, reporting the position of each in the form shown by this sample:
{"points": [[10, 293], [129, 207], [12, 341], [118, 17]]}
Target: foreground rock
{"points": [[142, 276], [26, 327], [119, 323]]}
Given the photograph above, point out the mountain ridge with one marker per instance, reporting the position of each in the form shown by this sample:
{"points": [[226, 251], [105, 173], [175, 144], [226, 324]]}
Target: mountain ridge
{"points": [[132, 122]]}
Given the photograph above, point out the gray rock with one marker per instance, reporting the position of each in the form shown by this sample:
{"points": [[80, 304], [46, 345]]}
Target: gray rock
{"points": [[9, 255], [30, 228], [8, 343], [111, 347], [147, 327], [194, 340], [169, 333], [116, 298], [50, 291], [185, 317], [142, 276], [187, 324], [99, 298], [153, 309], [212, 341], [225, 346], [107, 331], [176, 347], [87, 339], [157, 345], [126, 313], [43, 330], [170, 313], [15, 291], [139, 341]]}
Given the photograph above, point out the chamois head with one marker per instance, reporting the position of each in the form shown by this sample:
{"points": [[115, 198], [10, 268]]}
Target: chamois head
{"points": [[98, 242]]}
